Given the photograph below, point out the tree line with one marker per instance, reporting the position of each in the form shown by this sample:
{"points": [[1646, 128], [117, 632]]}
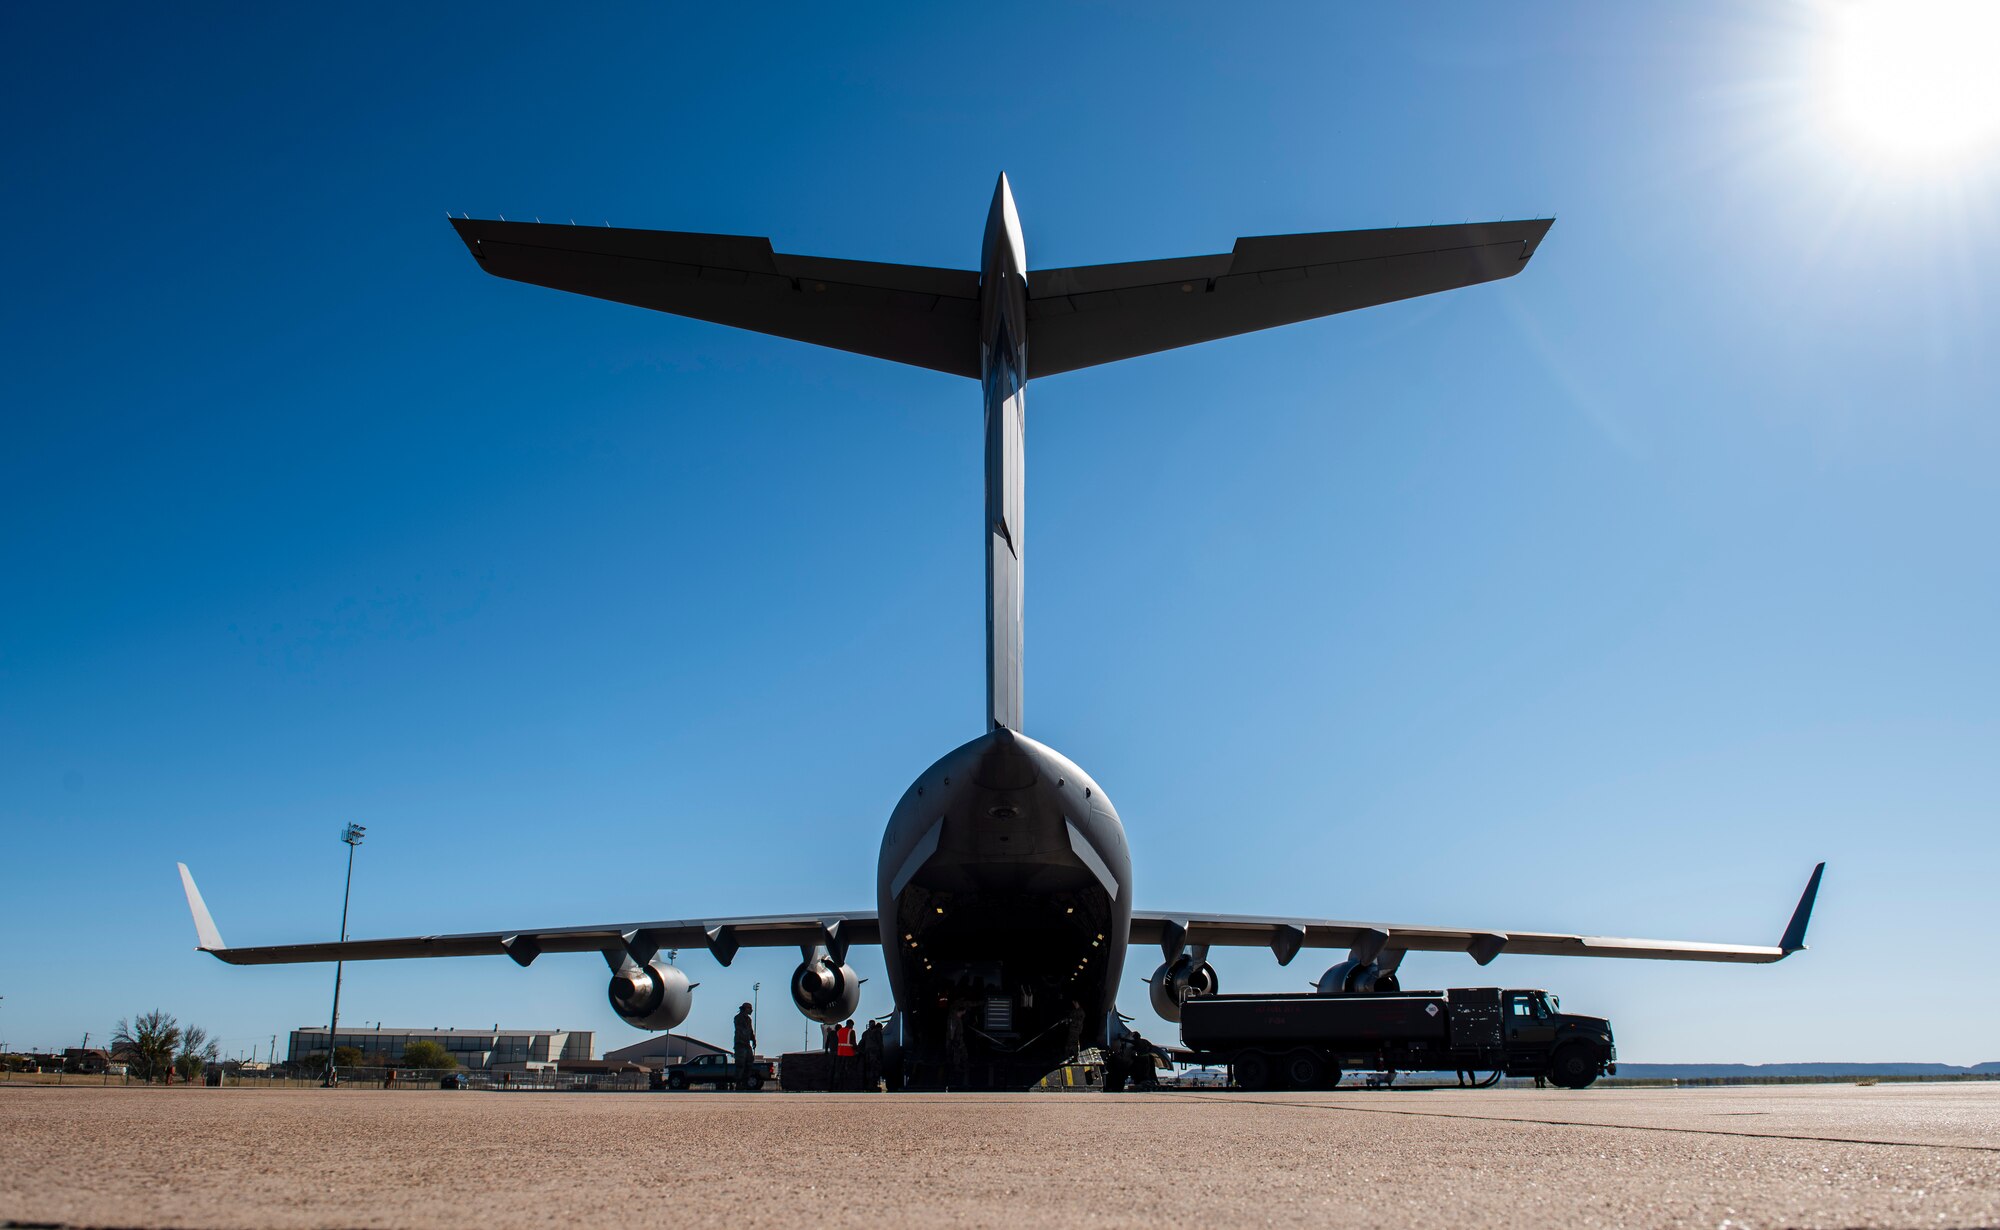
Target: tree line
{"points": [[157, 1048], [154, 1047]]}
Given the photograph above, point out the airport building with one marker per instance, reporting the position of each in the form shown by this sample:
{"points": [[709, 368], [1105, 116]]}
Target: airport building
{"points": [[663, 1051], [477, 1050]]}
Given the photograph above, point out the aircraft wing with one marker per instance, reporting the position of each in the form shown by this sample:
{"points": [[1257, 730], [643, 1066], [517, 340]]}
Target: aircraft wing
{"points": [[1386, 942], [722, 937], [908, 313], [1095, 314]]}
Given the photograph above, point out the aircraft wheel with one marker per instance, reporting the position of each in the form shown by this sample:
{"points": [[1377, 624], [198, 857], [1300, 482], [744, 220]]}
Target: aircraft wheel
{"points": [[1304, 1069], [1253, 1070], [1574, 1065]]}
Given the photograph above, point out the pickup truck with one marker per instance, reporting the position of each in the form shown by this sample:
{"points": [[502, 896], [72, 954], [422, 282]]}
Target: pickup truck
{"points": [[1306, 1041], [717, 1070]]}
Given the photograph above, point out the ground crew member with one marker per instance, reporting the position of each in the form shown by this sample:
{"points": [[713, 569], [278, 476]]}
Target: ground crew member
{"points": [[1145, 1069], [871, 1057], [1117, 1064], [959, 1059], [746, 1043], [845, 1059]]}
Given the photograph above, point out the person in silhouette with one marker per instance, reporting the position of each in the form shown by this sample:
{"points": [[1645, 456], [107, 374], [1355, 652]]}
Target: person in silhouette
{"points": [[1118, 1064], [746, 1043], [958, 1057], [871, 1057], [1144, 1070]]}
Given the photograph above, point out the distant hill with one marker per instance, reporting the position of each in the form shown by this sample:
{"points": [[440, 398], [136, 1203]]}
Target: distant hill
{"points": [[1705, 1071]]}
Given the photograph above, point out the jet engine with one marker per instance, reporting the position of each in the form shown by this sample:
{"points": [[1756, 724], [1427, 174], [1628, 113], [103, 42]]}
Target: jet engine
{"points": [[826, 990], [1356, 978], [1184, 979], [651, 996]]}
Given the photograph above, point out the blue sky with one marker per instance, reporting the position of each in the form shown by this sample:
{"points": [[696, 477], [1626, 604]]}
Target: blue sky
{"points": [[1609, 598]]}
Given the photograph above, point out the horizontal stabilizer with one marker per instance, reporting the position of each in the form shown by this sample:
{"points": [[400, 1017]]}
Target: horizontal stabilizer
{"points": [[906, 313], [1101, 313]]}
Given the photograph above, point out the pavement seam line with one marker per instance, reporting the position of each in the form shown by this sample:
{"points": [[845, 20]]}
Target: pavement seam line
{"points": [[1627, 1127]]}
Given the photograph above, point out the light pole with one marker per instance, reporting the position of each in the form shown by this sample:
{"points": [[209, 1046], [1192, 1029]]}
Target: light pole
{"points": [[352, 835], [755, 987]]}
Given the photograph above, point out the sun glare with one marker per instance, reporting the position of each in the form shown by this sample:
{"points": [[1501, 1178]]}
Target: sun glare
{"points": [[1918, 79]]}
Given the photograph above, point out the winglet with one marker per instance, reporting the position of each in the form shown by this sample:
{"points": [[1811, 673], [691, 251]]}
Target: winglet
{"points": [[1795, 931], [204, 926]]}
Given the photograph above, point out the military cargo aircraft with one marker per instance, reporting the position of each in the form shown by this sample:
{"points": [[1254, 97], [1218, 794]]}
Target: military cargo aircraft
{"points": [[1004, 891]]}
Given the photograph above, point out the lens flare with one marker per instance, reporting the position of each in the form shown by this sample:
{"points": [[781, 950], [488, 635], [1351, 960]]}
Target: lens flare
{"points": [[1917, 79]]}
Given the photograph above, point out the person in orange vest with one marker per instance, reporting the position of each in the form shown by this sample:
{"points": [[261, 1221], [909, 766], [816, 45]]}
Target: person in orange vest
{"points": [[844, 1052]]}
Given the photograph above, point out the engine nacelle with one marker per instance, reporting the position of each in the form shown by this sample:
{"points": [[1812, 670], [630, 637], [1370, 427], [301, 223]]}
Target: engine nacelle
{"points": [[826, 990], [1357, 978], [1183, 980], [651, 996]]}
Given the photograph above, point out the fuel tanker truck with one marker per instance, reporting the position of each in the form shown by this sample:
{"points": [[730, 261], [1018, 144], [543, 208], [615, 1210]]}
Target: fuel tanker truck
{"points": [[1307, 1041]]}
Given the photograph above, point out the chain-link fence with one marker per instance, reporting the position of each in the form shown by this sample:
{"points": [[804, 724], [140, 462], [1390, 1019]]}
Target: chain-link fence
{"points": [[366, 1077]]}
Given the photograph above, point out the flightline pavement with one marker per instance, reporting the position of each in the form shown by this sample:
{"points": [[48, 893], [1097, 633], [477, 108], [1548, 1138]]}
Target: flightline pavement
{"points": [[1753, 1156]]}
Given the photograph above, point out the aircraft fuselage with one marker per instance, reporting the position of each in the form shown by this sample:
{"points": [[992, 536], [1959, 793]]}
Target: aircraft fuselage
{"points": [[1004, 884], [1004, 891]]}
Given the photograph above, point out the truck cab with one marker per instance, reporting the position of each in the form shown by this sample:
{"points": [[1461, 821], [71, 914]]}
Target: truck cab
{"points": [[1528, 1017], [1577, 1048]]}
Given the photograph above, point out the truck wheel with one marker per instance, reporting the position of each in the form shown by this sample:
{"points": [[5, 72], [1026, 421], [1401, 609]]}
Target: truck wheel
{"points": [[1304, 1069], [1574, 1065], [753, 1082], [676, 1081], [1253, 1070]]}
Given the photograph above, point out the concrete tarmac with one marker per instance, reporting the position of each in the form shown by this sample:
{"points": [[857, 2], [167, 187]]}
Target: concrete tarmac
{"points": [[1810, 1155]]}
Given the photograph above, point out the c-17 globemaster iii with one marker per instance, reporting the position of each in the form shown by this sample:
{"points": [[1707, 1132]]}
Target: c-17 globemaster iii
{"points": [[1004, 891]]}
